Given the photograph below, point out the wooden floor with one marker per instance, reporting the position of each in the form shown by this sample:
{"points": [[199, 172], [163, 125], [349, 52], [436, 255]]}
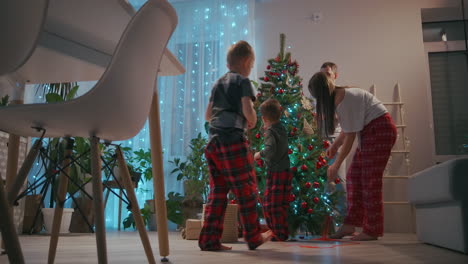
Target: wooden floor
{"points": [[125, 247]]}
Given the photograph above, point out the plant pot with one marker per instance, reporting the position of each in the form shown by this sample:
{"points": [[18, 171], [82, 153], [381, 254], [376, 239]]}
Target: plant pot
{"points": [[32, 204], [152, 223], [48, 214], [78, 223]]}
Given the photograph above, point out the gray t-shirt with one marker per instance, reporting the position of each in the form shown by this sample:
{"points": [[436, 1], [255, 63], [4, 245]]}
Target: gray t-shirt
{"points": [[358, 108], [226, 95]]}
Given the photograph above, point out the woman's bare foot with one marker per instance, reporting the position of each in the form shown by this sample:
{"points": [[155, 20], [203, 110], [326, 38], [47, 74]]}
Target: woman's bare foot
{"points": [[345, 230], [363, 237]]}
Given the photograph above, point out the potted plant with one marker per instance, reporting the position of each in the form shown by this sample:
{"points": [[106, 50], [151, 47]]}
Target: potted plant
{"points": [[194, 173]]}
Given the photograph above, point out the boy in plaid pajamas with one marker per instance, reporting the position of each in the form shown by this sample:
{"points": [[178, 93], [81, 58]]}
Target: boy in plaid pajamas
{"points": [[278, 182], [230, 112]]}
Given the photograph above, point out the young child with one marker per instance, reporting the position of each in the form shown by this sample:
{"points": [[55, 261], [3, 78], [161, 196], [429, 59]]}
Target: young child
{"points": [[230, 112], [359, 112], [278, 182]]}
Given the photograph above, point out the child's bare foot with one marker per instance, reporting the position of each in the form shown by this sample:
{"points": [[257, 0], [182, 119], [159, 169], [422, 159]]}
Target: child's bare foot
{"points": [[363, 237], [345, 230], [266, 236], [223, 247], [220, 248]]}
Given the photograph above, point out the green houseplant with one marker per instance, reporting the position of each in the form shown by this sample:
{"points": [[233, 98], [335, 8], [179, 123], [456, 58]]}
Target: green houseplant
{"points": [[194, 173], [140, 162]]}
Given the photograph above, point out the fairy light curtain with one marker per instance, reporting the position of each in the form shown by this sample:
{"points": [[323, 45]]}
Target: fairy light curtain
{"points": [[205, 30]]}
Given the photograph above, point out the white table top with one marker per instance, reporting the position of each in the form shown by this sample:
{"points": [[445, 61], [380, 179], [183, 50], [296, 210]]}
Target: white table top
{"points": [[78, 40]]}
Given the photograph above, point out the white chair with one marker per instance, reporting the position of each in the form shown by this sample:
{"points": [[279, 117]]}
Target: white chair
{"points": [[16, 47], [115, 109], [14, 52]]}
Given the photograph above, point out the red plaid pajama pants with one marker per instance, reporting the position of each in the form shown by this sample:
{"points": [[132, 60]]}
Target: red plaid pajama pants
{"points": [[364, 177], [231, 169], [276, 202]]}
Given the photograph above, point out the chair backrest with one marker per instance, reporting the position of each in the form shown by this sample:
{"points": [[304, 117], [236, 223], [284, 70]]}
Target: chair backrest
{"points": [[121, 100], [21, 24]]}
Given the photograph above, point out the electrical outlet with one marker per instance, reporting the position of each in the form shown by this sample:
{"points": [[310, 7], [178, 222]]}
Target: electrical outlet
{"points": [[317, 16]]}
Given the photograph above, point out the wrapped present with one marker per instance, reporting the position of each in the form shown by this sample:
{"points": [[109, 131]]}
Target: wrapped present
{"points": [[192, 228], [230, 230]]}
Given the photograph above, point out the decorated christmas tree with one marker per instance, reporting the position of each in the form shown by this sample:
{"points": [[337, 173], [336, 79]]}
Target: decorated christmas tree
{"points": [[312, 205]]}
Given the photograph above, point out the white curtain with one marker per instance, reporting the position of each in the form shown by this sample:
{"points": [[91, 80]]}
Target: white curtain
{"points": [[205, 30]]}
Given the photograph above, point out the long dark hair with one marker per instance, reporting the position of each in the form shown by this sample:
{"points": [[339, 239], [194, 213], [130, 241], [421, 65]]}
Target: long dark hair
{"points": [[322, 88]]}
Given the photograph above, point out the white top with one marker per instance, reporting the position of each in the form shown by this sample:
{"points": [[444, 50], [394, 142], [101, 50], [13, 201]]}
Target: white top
{"points": [[357, 109]]}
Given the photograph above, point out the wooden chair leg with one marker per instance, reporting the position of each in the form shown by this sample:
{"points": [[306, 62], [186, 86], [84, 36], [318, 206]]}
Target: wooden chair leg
{"points": [[61, 193], [99, 219], [158, 177], [127, 182], [7, 227], [15, 187]]}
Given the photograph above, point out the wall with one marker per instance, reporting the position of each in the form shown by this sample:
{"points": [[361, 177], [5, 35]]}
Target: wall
{"points": [[373, 42]]}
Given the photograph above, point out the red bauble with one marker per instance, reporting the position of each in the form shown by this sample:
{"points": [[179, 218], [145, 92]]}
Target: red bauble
{"points": [[277, 59], [291, 133], [292, 197], [310, 147], [294, 129], [337, 181], [318, 165], [316, 199], [304, 205], [326, 143], [290, 151], [268, 67], [258, 135], [266, 79], [316, 184], [259, 94], [293, 169], [308, 185], [280, 91], [260, 163], [310, 210], [304, 167], [233, 201]]}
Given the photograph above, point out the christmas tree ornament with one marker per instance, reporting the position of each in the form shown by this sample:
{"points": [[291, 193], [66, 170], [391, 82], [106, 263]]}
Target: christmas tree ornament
{"points": [[316, 200], [310, 211], [308, 185], [304, 167], [316, 184], [292, 197], [304, 205]]}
